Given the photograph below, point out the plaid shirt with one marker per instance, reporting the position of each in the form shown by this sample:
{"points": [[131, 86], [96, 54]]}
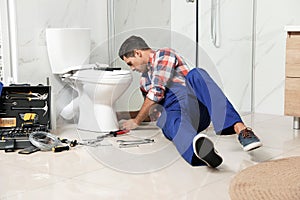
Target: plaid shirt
{"points": [[164, 67]]}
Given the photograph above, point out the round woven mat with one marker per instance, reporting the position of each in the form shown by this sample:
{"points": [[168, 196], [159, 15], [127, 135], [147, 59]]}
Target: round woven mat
{"points": [[276, 180]]}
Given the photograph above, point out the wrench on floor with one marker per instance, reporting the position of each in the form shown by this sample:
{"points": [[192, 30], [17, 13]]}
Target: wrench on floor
{"points": [[134, 143]]}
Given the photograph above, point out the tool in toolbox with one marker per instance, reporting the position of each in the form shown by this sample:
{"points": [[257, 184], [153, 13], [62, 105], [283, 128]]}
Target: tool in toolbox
{"points": [[30, 93], [45, 108], [14, 103], [21, 132], [26, 96], [40, 98], [29, 116]]}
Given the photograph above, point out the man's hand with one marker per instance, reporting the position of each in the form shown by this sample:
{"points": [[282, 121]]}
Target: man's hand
{"points": [[143, 114], [129, 124]]}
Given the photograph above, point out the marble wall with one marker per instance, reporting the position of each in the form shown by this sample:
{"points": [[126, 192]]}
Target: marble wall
{"points": [[34, 16], [272, 17], [230, 64], [4, 34]]}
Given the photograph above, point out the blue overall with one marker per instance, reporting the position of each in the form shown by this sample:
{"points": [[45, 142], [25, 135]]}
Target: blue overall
{"points": [[188, 110]]}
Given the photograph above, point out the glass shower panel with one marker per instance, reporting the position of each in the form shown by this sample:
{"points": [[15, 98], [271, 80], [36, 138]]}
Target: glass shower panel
{"points": [[149, 19], [231, 64]]}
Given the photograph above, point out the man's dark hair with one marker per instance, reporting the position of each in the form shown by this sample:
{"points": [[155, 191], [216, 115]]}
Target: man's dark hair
{"points": [[130, 44]]}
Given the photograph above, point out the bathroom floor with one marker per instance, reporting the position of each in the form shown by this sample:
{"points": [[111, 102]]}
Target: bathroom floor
{"points": [[150, 171]]}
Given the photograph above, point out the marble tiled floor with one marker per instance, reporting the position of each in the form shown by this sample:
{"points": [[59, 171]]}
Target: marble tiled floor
{"points": [[151, 171]]}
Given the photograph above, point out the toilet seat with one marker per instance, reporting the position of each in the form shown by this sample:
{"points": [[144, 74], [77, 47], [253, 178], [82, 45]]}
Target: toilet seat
{"points": [[101, 76]]}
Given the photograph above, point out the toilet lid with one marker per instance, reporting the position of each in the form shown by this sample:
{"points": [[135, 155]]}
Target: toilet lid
{"points": [[100, 76]]}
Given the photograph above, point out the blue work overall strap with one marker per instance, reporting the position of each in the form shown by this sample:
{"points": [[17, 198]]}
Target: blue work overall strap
{"points": [[222, 113]]}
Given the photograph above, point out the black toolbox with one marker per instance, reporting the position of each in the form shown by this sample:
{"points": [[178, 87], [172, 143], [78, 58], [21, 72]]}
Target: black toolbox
{"points": [[23, 109]]}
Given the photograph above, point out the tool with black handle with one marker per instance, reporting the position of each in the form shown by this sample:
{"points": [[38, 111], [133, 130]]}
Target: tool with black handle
{"points": [[113, 134], [60, 148]]}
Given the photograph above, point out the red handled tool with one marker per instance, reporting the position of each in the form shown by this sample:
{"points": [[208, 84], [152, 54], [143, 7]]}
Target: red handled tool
{"points": [[118, 132], [113, 133]]}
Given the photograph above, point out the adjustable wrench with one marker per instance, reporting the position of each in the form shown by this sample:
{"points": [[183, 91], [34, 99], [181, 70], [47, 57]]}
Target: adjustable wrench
{"points": [[134, 143]]}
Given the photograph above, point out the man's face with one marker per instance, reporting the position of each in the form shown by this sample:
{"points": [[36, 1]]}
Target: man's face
{"points": [[138, 62]]}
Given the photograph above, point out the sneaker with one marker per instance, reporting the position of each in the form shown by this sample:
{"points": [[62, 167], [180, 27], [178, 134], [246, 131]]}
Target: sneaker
{"points": [[249, 140], [205, 151]]}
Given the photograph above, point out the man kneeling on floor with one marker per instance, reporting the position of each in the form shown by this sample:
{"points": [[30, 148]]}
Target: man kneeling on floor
{"points": [[189, 99]]}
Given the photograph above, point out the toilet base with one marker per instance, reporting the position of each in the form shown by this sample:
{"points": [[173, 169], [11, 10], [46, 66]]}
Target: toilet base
{"points": [[96, 117]]}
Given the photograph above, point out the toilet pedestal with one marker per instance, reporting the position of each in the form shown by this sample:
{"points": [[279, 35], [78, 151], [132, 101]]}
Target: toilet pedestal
{"points": [[94, 118]]}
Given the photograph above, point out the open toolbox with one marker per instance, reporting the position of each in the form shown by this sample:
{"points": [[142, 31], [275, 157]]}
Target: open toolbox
{"points": [[23, 109]]}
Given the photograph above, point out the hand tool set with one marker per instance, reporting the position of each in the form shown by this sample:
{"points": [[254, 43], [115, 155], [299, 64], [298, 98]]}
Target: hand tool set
{"points": [[24, 104], [95, 142], [23, 109]]}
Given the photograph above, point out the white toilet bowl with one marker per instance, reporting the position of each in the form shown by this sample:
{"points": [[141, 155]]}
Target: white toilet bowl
{"points": [[69, 50], [98, 92]]}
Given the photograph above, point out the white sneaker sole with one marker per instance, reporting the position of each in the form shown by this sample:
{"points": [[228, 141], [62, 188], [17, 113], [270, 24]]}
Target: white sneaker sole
{"points": [[252, 146], [207, 152]]}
